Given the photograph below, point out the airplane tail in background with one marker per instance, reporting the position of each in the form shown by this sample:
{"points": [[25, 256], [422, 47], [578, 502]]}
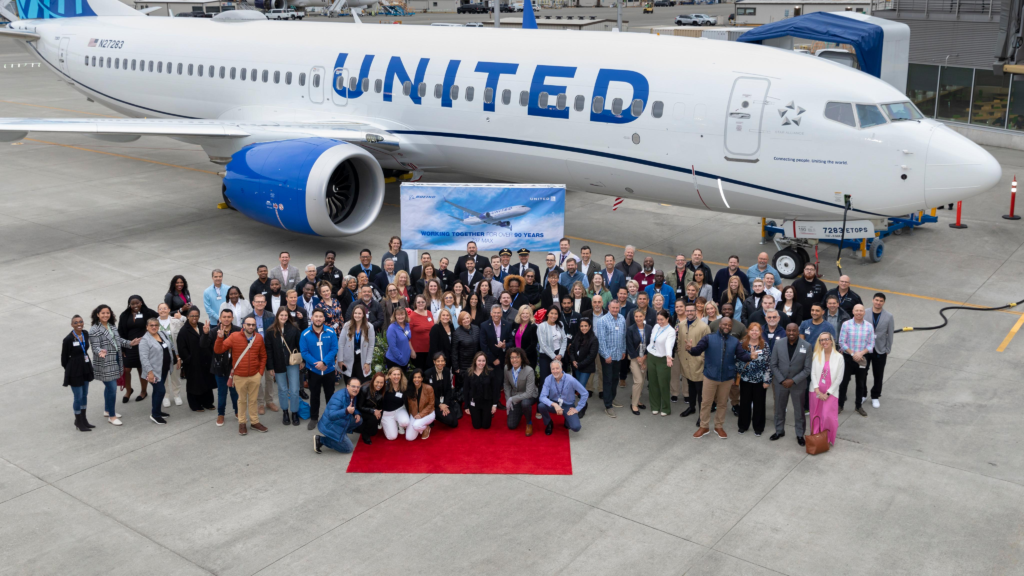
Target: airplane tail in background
{"points": [[33, 9]]}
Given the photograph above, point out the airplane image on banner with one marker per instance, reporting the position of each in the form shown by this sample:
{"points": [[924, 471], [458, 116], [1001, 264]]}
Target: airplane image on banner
{"points": [[501, 218]]}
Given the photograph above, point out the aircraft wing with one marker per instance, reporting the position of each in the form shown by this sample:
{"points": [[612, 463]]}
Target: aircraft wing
{"points": [[12, 129], [466, 210]]}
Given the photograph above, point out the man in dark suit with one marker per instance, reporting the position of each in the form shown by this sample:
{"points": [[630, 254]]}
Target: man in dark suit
{"points": [[471, 254], [365, 265], [471, 277], [524, 265], [613, 277], [504, 265], [550, 266], [791, 368], [417, 271], [495, 335], [386, 277]]}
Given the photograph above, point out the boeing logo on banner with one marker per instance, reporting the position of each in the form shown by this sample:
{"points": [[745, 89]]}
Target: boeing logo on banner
{"points": [[543, 99]]}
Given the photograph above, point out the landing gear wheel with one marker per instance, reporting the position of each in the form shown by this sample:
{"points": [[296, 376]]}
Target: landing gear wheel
{"points": [[804, 256], [788, 262], [876, 250]]}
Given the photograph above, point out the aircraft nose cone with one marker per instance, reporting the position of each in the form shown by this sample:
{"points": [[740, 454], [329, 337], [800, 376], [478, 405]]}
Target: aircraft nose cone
{"points": [[957, 168]]}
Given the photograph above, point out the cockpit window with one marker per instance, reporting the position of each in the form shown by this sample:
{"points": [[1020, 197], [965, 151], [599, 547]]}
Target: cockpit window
{"points": [[901, 111], [841, 112], [869, 115]]}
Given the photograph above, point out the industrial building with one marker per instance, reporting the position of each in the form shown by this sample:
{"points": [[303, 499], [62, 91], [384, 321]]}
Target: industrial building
{"points": [[172, 7], [757, 12], [955, 70]]}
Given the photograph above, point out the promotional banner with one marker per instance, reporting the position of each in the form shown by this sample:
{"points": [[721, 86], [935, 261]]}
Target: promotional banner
{"points": [[855, 229], [495, 216]]}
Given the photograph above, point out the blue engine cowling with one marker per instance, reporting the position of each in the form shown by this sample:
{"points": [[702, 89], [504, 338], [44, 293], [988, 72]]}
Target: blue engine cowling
{"points": [[313, 186]]}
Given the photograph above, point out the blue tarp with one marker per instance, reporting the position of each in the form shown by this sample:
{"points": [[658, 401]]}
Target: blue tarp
{"points": [[865, 38]]}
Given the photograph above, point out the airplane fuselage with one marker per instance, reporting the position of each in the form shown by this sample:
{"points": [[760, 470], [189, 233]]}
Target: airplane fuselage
{"points": [[718, 125]]}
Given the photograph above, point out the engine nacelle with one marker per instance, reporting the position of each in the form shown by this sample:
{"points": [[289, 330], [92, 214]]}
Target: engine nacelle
{"points": [[313, 186]]}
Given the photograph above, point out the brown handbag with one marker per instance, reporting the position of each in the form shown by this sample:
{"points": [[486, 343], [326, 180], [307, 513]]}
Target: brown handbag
{"points": [[816, 443]]}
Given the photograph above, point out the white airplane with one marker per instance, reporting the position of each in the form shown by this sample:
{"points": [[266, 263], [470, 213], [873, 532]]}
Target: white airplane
{"points": [[501, 218], [306, 116]]}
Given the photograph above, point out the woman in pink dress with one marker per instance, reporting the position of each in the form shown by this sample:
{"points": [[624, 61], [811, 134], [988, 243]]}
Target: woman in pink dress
{"points": [[826, 374]]}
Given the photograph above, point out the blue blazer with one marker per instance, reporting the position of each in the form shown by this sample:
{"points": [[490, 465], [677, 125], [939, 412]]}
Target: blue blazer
{"points": [[618, 281]]}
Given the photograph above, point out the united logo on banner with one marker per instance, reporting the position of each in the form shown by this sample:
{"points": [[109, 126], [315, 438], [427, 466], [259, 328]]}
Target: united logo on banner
{"points": [[495, 216]]}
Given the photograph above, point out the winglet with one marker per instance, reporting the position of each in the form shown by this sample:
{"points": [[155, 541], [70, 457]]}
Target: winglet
{"points": [[529, 20]]}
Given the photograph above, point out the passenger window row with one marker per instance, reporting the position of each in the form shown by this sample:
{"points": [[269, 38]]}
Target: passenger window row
{"points": [[199, 70], [636, 107]]}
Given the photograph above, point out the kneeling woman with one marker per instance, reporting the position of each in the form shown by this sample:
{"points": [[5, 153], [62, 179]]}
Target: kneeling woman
{"points": [[395, 418], [480, 393], [371, 406], [340, 418], [446, 405], [421, 408]]}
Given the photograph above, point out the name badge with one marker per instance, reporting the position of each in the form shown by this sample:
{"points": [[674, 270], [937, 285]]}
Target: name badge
{"points": [[616, 328], [138, 316], [293, 313], [261, 331], [429, 319], [471, 403], [319, 343], [442, 400], [560, 402], [398, 394], [86, 358], [803, 350], [810, 294], [336, 275], [165, 344], [808, 331], [219, 298]]}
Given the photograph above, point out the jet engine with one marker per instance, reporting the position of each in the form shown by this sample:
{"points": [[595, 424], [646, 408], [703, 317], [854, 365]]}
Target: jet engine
{"points": [[505, 224], [314, 186]]}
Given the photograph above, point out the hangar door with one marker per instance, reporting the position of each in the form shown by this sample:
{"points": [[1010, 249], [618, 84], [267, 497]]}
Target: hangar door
{"points": [[743, 120]]}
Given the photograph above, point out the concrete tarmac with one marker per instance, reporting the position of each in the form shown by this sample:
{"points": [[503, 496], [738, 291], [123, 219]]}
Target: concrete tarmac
{"points": [[932, 483]]}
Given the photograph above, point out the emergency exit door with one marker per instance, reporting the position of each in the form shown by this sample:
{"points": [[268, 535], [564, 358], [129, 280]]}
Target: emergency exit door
{"points": [[743, 119]]}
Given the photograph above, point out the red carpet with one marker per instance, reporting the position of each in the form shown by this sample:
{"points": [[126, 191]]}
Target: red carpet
{"points": [[464, 450]]}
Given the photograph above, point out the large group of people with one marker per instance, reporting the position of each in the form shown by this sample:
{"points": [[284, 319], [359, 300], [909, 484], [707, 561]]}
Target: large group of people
{"points": [[397, 350]]}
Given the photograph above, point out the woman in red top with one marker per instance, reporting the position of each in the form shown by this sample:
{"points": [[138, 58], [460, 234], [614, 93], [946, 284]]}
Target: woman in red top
{"points": [[420, 321]]}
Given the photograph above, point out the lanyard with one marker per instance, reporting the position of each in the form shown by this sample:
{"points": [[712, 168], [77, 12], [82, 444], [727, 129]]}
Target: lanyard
{"points": [[560, 388], [81, 343], [874, 319], [515, 374]]}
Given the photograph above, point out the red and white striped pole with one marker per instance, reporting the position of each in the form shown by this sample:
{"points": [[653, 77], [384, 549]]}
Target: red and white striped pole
{"points": [[1013, 200], [615, 205], [958, 225]]}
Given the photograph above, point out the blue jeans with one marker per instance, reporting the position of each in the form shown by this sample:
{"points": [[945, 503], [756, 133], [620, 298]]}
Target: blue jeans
{"points": [[288, 384], [344, 446], [611, 380], [573, 421], [583, 377], [81, 397], [222, 395], [158, 396], [110, 397]]}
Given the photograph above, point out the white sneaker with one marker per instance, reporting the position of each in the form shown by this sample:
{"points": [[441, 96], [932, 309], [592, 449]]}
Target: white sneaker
{"points": [[177, 400], [167, 402], [116, 415], [114, 421], [874, 403], [401, 430], [539, 417]]}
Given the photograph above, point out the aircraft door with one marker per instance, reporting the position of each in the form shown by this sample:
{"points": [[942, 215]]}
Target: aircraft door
{"points": [[743, 119], [316, 85], [62, 54], [339, 86]]}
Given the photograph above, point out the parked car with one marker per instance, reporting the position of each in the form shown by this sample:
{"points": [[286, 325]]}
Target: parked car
{"points": [[474, 25], [520, 6], [471, 9], [695, 20], [283, 14], [196, 14], [663, 4]]}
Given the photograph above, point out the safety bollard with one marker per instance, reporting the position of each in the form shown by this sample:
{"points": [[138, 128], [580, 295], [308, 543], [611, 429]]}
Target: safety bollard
{"points": [[1013, 200], [958, 225]]}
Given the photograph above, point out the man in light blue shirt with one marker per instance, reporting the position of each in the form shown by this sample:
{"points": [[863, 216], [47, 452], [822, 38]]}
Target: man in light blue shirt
{"points": [[559, 396], [214, 296], [762, 268], [610, 329], [572, 275]]}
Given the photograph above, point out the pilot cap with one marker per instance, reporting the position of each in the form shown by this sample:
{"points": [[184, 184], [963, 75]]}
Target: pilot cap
{"points": [[507, 252], [522, 251]]}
